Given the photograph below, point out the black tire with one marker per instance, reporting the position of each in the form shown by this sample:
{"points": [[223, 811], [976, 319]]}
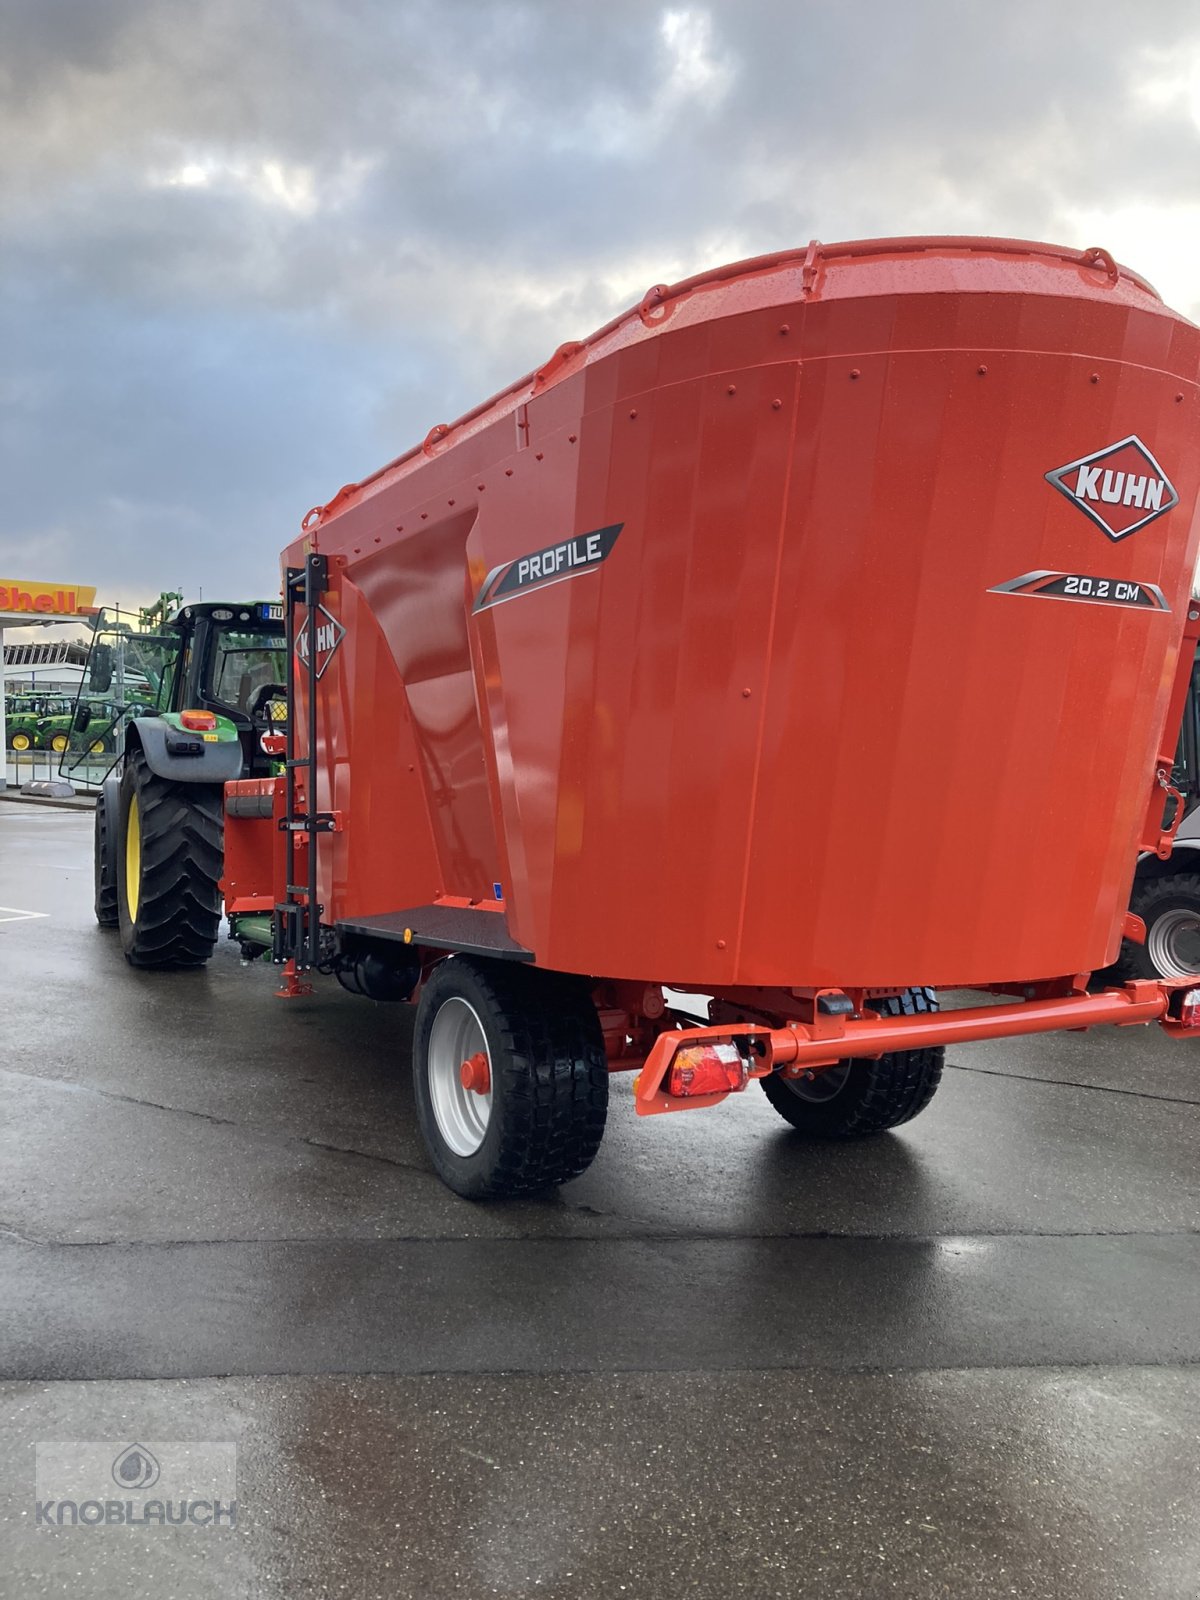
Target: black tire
{"points": [[181, 832], [105, 874], [549, 1077], [866, 1096], [1170, 908]]}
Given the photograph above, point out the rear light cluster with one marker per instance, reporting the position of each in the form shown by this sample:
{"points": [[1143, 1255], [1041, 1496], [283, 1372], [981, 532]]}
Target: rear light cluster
{"points": [[1189, 1008], [198, 721], [707, 1069]]}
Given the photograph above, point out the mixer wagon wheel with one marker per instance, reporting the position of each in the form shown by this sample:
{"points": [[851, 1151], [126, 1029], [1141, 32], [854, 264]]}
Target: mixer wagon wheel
{"points": [[861, 1097], [511, 1077], [170, 839], [105, 863], [1170, 908]]}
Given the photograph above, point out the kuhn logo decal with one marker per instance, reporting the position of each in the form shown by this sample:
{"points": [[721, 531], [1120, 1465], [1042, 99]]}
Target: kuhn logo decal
{"points": [[1121, 488], [570, 559], [330, 634]]}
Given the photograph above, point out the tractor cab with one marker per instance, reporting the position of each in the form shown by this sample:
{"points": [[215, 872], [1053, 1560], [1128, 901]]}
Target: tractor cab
{"points": [[188, 678]]}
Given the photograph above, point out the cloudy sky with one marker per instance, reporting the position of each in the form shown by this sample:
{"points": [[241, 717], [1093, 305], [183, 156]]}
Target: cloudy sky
{"points": [[251, 249]]}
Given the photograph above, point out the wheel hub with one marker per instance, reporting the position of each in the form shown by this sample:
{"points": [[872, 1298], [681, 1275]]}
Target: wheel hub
{"points": [[474, 1074]]}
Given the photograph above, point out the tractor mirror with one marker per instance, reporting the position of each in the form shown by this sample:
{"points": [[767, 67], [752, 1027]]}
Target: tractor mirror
{"points": [[101, 675], [82, 717]]}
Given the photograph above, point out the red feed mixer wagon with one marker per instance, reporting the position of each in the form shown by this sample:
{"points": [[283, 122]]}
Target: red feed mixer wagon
{"points": [[810, 638]]}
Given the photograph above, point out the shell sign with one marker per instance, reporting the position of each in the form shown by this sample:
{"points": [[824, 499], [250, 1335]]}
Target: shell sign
{"points": [[46, 599]]}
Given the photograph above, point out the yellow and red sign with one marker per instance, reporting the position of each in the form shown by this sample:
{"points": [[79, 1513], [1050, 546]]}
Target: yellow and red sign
{"points": [[47, 599]]}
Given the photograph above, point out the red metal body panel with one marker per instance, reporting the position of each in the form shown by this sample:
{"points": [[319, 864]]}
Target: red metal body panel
{"points": [[788, 732], [255, 854]]}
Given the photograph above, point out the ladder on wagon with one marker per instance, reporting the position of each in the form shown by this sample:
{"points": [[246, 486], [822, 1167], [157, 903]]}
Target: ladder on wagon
{"points": [[296, 943]]}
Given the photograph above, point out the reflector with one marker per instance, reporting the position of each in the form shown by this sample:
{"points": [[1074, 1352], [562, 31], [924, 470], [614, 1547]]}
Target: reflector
{"points": [[707, 1069], [1189, 1009]]}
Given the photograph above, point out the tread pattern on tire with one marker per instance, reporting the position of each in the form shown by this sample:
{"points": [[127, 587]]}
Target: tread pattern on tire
{"points": [[1133, 960], [879, 1094], [107, 913], [553, 1074], [179, 907]]}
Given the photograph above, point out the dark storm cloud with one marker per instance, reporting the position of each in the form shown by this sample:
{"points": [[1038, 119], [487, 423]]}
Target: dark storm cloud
{"points": [[251, 251]]}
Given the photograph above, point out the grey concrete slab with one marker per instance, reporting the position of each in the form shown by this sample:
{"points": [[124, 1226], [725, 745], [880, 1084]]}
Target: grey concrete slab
{"points": [[1048, 1485], [599, 1305]]}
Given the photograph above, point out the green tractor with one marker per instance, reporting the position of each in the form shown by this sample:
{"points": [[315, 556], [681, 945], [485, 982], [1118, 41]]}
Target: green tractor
{"points": [[54, 726], [218, 677], [21, 716]]}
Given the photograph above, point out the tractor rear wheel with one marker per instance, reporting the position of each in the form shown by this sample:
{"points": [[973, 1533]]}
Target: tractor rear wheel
{"points": [[510, 1075], [105, 863], [170, 839], [857, 1098]]}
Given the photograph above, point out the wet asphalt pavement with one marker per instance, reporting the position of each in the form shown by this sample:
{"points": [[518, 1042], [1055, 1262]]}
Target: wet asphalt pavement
{"points": [[958, 1360]]}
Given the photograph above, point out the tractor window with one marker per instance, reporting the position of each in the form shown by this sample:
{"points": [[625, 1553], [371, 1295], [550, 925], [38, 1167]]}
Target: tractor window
{"points": [[243, 662]]}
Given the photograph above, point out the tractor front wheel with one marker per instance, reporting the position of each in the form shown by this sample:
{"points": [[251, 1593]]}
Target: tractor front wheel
{"points": [[857, 1098], [170, 840], [510, 1075]]}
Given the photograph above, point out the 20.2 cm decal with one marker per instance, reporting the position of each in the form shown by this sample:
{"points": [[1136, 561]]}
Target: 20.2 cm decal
{"points": [[1086, 586]]}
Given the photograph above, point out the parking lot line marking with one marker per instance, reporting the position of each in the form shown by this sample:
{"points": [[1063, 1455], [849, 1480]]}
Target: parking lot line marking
{"points": [[11, 914]]}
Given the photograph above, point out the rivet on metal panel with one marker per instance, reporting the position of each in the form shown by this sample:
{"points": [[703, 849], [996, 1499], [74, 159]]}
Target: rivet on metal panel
{"points": [[776, 405], [572, 437], [981, 370], [785, 327], [539, 456], [449, 502], [1178, 398], [378, 538], [720, 944], [856, 372], [732, 389], [808, 273], [746, 693], [508, 472], [424, 516], [1095, 378], [481, 487], [633, 413]]}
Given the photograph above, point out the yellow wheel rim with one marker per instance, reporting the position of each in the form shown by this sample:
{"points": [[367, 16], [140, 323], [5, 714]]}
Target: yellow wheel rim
{"points": [[97, 748], [20, 741], [59, 743], [133, 859]]}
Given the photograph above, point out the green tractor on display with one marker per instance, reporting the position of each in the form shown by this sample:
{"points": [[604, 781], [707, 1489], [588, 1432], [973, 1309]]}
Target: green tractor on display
{"points": [[203, 701], [21, 716], [54, 726]]}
